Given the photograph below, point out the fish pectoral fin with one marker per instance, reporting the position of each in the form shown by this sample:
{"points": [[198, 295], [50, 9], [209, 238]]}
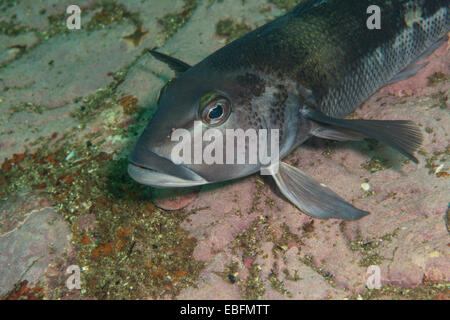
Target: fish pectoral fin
{"points": [[325, 131], [175, 64], [402, 135], [313, 198]]}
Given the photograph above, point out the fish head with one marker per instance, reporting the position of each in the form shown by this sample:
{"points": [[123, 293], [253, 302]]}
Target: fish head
{"points": [[194, 113]]}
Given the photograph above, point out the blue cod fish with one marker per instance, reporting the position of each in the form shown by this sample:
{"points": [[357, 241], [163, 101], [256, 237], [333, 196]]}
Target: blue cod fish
{"points": [[302, 74]]}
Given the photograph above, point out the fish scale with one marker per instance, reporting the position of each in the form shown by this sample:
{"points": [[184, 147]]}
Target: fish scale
{"points": [[384, 63]]}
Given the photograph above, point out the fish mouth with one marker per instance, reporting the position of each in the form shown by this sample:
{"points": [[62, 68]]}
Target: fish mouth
{"points": [[162, 180], [148, 168]]}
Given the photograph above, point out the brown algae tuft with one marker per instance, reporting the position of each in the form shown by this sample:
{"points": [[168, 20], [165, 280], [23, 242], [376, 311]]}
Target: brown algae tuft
{"points": [[437, 78]]}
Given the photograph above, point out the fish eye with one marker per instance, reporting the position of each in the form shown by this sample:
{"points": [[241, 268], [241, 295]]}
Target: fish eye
{"points": [[214, 109]]}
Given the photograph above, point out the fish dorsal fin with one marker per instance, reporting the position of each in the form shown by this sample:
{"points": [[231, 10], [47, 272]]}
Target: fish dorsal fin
{"points": [[312, 197], [175, 64], [402, 135]]}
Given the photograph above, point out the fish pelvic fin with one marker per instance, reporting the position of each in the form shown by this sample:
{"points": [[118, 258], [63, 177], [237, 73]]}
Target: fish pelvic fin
{"points": [[312, 197], [402, 135], [175, 64]]}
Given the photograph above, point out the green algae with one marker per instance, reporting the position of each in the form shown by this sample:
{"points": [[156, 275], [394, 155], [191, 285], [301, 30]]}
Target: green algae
{"points": [[11, 28], [104, 98], [57, 26], [285, 5], [376, 164], [368, 248], [442, 98], [295, 277], [26, 107], [231, 30], [253, 287], [329, 147], [371, 260], [248, 245], [6, 4], [429, 130], [230, 273], [327, 276], [172, 22], [426, 291], [250, 288], [109, 12], [282, 244], [277, 284], [249, 240]]}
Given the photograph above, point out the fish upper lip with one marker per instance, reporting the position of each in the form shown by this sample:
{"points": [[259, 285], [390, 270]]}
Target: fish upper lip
{"points": [[149, 168]]}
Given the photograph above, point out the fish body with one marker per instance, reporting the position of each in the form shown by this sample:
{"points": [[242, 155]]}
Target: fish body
{"points": [[300, 74]]}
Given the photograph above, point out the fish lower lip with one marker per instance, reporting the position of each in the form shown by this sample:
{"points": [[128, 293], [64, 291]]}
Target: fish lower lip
{"points": [[158, 179]]}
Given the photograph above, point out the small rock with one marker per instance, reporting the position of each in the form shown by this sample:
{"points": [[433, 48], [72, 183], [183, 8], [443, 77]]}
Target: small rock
{"points": [[174, 199], [365, 186], [28, 250]]}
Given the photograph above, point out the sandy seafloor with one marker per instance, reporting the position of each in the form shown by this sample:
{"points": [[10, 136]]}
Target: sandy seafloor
{"points": [[72, 103]]}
